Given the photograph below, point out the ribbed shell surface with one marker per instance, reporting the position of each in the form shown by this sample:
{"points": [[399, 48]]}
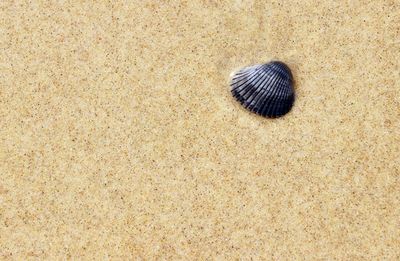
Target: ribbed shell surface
{"points": [[265, 89]]}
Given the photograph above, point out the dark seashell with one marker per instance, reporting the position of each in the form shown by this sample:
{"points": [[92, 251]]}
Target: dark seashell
{"points": [[265, 89]]}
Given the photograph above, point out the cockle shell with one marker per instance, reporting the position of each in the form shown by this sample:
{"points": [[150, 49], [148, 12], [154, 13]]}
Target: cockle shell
{"points": [[265, 89]]}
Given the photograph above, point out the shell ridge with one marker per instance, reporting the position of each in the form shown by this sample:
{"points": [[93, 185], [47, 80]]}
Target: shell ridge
{"points": [[273, 97], [239, 78], [240, 92], [283, 103], [263, 87], [259, 89], [251, 87], [239, 84], [243, 80], [256, 87], [243, 73], [262, 93], [287, 106], [281, 68], [269, 96], [282, 97], [288, 101], [264, 98], [280, 101], [240, 87]]}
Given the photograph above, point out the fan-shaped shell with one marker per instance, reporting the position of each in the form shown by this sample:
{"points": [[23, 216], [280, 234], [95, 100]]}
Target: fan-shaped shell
{"points": [[265, 89]]}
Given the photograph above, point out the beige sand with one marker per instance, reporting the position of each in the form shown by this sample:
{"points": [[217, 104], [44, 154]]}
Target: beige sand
{"points": [[119, 138]]}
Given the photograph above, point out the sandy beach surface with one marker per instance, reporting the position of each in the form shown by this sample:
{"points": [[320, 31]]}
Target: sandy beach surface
{"points": [[119, 138]]}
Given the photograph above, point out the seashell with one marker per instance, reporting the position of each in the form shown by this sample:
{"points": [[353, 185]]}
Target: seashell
{"points": [[265, 89]]}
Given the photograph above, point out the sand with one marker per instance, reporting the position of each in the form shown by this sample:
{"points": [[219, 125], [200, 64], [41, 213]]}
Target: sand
{"points": [[119, 138]]}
